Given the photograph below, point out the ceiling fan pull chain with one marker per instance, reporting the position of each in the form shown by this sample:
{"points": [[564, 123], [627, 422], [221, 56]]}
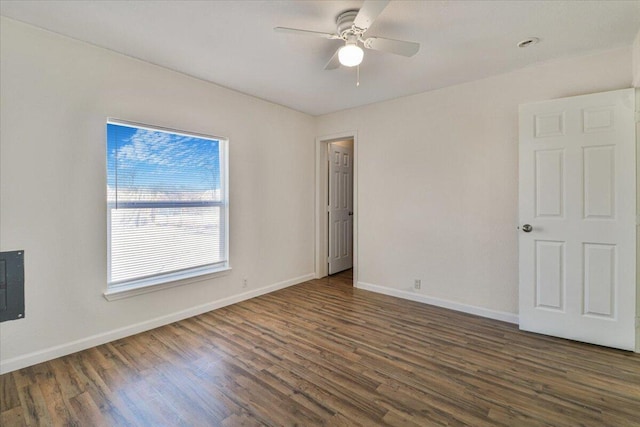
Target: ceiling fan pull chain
{"points": [[358, 76]]}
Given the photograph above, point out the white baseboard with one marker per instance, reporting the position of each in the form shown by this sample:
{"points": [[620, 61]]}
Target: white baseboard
{"points": [[452, 305], [40, 356]]}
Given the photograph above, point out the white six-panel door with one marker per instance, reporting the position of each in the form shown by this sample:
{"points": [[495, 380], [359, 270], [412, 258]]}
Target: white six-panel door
{"points": [[340, 208], [578, 195]]}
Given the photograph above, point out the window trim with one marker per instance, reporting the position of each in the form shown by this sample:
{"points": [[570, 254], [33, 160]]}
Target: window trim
{"points": [[115, 291], [152, 284]]}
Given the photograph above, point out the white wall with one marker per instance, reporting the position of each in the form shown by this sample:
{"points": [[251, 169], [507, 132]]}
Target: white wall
{"points": [[636, 60], [438, 182], [56, 96], [637, 85]]}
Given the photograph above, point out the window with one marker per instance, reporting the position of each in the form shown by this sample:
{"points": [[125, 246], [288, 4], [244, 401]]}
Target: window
{"points": [[166, 205]]}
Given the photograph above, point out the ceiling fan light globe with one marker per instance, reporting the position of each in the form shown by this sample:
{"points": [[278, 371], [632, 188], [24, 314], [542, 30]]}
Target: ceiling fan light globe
{"points": [[350, 55]]}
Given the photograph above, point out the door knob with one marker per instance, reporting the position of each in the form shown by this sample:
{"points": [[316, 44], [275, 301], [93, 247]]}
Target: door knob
{"points": [[350, 213], [527, 228]]}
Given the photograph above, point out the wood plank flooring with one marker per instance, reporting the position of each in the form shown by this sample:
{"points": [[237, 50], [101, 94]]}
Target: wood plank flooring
{"points": [[324, 353]]}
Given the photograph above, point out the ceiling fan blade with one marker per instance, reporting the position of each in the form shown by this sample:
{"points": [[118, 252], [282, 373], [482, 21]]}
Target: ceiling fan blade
{"points": [[369, 12], [306, 33], [399, 47], [333, 63]]}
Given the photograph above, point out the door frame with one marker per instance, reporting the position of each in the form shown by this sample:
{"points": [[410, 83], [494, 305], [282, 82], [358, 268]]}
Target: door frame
{"points": [[322, 189]]}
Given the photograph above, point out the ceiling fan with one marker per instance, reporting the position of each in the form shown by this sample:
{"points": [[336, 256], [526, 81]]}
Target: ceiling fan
{"points": [[351, 27]]}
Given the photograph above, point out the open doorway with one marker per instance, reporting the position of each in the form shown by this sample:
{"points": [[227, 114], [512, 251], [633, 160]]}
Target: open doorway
{"points": [[340, 206], [336, 205]]}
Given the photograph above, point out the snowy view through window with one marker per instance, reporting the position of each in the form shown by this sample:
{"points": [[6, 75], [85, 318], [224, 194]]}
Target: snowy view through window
{"points": [[165, 202]]}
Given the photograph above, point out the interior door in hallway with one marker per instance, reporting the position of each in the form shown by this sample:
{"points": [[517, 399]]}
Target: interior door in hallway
{"points": [[340, 207], [577, 207]]}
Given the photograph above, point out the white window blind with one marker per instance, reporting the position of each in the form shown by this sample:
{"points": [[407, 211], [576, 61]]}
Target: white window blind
{"points": [[166, 202]]}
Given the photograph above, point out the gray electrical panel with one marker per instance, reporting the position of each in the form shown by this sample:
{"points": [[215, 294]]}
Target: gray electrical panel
{"points": [[11, 285]]}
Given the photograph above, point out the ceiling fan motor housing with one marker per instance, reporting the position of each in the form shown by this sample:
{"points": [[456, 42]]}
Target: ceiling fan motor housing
{"points": [[352, 26], [345, 24]]}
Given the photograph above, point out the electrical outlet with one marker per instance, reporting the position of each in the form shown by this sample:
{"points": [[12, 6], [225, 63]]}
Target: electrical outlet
{"points": [[245, 283], [417, 284]]}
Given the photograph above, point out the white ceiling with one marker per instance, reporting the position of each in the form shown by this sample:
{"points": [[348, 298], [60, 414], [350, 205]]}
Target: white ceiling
{"points": [[232, 43]]}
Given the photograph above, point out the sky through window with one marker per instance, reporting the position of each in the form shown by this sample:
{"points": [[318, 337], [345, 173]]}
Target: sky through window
{"points": [[145, 163]]}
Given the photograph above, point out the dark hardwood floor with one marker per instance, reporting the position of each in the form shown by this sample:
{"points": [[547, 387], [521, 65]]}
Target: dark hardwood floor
{"points": [[324, 353]]}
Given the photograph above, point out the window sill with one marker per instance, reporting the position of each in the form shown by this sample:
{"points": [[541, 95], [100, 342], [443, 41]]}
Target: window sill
{"points": [[156, 284]]}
